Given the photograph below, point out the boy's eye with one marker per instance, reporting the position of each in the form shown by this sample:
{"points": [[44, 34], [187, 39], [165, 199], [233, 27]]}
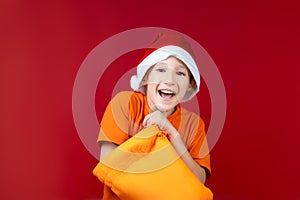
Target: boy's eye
{"points": [[180, 73], [160, 70]]}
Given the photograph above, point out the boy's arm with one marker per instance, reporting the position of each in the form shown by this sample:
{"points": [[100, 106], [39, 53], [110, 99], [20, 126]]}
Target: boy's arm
{"points": [[113, 123], [164, 124], [105, 148], [186, 156]]}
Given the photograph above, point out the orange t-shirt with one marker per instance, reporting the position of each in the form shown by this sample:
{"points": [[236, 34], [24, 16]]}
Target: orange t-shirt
{"points": [[124, 117]]}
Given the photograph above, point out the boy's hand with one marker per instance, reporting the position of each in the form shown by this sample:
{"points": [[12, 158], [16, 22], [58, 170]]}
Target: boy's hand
{"points": [[158, 118]]}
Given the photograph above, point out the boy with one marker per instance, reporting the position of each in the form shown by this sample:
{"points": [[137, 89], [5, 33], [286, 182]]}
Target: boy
{"points": [[166, 76]]}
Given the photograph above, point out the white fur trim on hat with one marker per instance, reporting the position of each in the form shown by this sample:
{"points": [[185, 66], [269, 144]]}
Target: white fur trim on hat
{"points": [[162, 54]]}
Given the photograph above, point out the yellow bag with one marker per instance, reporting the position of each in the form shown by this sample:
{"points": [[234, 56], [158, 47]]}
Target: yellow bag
{"points": [[146, 166]]}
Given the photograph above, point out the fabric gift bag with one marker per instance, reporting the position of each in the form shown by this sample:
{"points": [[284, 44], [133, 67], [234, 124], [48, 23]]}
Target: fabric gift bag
{"points": [[147, 167]]}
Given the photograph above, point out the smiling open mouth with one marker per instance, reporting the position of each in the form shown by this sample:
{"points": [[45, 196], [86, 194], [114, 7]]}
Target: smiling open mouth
{"points": [[166, 93]]}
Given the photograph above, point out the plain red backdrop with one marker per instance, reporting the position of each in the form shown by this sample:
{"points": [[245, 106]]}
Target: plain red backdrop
{"points": [[255, 45]]}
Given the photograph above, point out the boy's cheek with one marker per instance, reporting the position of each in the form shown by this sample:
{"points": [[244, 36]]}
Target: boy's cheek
{"points": [[156, 77], [153, 81]]}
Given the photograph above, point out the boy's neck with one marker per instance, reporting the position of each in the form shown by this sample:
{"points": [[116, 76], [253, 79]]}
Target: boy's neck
{"points": [[166, 113]]}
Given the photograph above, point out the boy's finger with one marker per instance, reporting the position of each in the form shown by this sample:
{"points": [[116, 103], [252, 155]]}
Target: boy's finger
{"points": [[147, 121]]}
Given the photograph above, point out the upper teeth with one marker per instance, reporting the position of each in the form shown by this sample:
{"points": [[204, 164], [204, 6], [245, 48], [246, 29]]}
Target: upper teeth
{"points": [[167, 91]]}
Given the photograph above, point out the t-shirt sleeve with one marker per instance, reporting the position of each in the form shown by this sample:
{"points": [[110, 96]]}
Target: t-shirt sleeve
{"points": [[199, 149], [115, 121]]}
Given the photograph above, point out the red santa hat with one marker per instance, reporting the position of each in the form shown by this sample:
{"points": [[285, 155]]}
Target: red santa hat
{"points": [[164, 45]]}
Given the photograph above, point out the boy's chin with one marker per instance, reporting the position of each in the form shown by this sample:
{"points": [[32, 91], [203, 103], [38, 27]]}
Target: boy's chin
{"points": [[165, 109]]}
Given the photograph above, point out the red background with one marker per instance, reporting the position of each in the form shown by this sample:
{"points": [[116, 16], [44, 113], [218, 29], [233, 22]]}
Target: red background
{"points": [[255, 45]]}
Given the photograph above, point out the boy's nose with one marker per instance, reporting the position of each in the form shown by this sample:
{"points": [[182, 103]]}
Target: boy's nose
{"points": [[169, 79]]}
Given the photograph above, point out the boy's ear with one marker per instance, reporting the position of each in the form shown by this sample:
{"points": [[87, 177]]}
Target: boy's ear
{"points": [[192, 85], [190, 88], [144, 82]]}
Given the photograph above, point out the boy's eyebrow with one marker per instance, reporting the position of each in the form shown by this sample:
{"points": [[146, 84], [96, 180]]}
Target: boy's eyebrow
{"points": [[182, 66], [179, 65]]}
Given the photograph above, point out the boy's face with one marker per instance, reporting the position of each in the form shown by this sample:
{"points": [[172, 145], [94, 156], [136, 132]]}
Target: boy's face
{"points": [[167, 82]]}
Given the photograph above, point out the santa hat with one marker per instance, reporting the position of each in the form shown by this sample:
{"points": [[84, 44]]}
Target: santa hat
{"points": [[167, 44]]}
